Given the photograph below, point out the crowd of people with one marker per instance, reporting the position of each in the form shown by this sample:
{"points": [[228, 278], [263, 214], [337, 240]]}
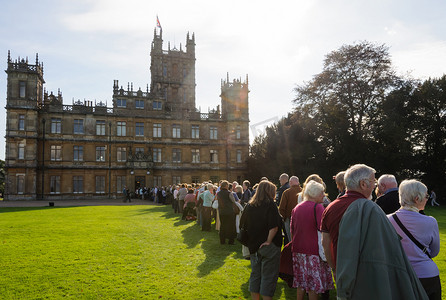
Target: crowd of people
{"points": [[374, 240]]}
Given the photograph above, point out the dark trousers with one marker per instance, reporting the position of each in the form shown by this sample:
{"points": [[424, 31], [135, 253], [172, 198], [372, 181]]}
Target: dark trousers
{"points": [[227, 228], [180, 206], [432, 286], [175, 206], [206, 218]]}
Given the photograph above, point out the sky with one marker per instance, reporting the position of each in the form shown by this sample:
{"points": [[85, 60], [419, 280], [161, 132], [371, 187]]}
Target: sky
{"points": [[86, 44]]}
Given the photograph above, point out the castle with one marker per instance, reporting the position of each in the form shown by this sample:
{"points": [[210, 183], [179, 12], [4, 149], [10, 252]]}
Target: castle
{"points": [[155, 137]]}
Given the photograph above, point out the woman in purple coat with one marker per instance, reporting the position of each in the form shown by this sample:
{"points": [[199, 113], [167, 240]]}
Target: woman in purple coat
{"points": [[424, 231]]}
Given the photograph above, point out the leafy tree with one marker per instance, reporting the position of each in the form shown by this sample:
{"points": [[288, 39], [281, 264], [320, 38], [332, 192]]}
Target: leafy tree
{"points": [[343, 100], [428, 135]]}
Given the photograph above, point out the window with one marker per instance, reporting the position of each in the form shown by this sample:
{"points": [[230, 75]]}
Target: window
{"points": [[195, 155], [176, 131], [21, 122], [100, 184], [120, 184], [21, 151], [56, 125], [56, 152], [239, 156], [176, 155], [121, 128], [78, 126], [100, 127], [78, 184], [196, 179], [139, 129], [22, 91], [139, 104], [176, 179], [121, 102], [20, 184], [156, 155], [78, 153], [121, 153], [195, 131], [214, 156], [55, 185], [156, 130], [157, 181], [157, 105], [184, 73], [237, 132], [213, 133], [100, 153], [164, 70], [165, 93], [139, 150]]}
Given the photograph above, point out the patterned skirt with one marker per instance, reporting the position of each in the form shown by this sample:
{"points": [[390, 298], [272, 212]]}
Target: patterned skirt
{"points": [[311, 273]]}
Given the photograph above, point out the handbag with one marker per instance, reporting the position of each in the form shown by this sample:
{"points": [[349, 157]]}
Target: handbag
{"points": [[286, 265], [319, 237], [243, 236]]}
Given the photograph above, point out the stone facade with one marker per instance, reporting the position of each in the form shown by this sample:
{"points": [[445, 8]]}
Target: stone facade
{"points": [[147, 138]]}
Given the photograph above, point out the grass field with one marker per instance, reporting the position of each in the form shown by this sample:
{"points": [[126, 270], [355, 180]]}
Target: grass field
{"points": [[124, 252]]}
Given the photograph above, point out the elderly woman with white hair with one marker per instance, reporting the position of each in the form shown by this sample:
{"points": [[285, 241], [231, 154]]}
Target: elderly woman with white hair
{"points": [[420, 235], [311, 273]]}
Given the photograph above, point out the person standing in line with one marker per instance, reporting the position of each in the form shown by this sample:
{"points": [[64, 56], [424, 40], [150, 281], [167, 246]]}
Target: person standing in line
{"points": [[208, 198], [340, 184], [262, 220], [360, 182], [225, 199], [424, 229], [288, 202], [284, 185], [181, 195], [246, 193], [311, 273], [389, 199]]}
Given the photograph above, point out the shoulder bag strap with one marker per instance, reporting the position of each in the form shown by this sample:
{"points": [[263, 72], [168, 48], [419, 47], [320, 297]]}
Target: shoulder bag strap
{"points": [[410, 236]]}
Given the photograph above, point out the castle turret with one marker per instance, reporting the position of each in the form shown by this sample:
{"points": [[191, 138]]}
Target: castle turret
{"points": [[24, 98], [173, 73]]}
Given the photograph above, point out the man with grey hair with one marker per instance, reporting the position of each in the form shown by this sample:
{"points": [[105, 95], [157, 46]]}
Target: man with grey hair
{"points": [[389, 199], [288, 202], [360, 183], [283, 179]]}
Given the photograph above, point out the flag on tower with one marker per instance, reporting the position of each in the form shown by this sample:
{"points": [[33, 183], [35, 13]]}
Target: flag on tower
{"points": [[158, 24]]}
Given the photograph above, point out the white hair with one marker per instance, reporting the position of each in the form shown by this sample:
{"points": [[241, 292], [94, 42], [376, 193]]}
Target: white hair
{"points": [[313, 189], [294, 179], [209, 186], [284, 176], [387, 178], [411, 189], [355, 174]]}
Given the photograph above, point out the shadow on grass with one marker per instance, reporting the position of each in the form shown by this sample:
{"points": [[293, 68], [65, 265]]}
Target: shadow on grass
{"points": [[20, 209], [215, 254], [166, 209]]}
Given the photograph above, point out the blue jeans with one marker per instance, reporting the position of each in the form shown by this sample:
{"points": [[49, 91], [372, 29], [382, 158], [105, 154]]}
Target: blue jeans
{"points": [[265, 270]]}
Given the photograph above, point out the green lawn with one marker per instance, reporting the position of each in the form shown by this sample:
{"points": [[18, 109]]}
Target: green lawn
{"points": [[123, 252]]}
